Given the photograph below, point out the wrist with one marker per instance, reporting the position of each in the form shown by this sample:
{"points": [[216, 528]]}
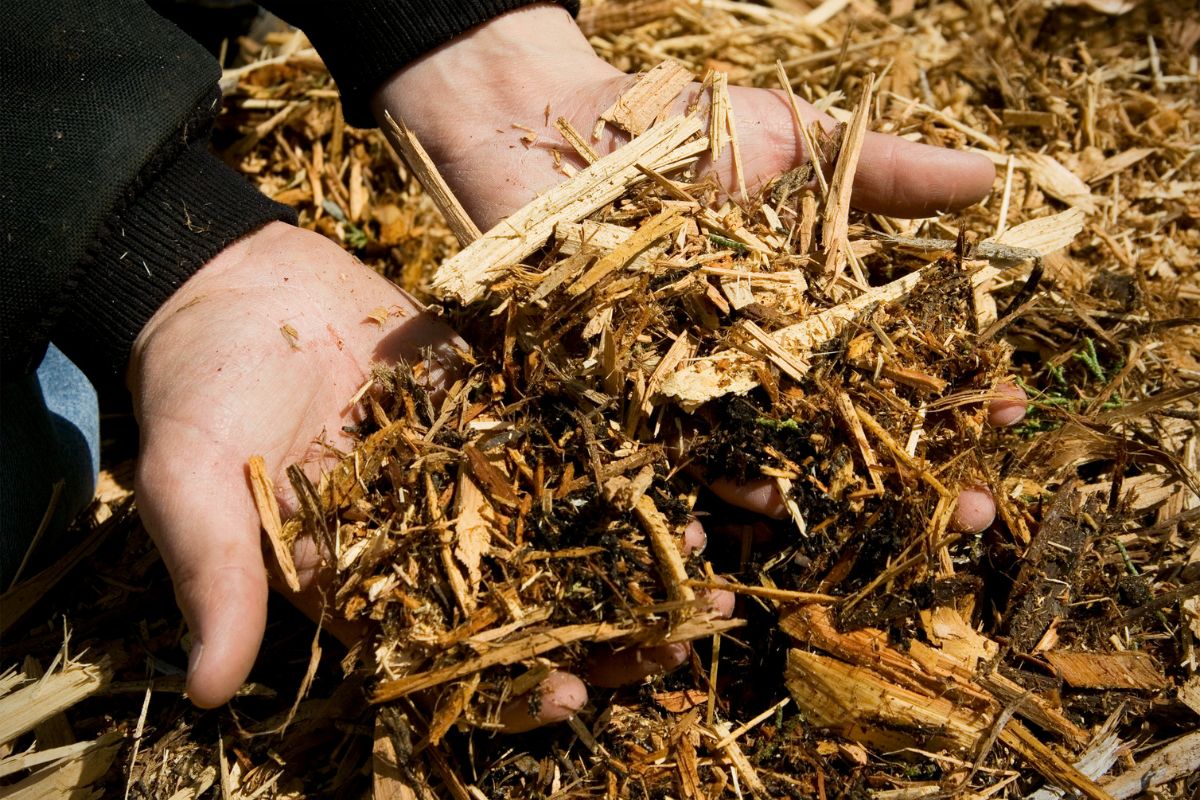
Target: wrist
{"points": [[495, 75]]}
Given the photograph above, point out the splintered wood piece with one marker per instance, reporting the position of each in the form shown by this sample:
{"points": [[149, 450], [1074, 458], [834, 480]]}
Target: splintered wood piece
{"points": [[643, 102], [532, 644], [55, 731], [836, 222], [862, 706], [787, 363], [849, 416], [472, 526], [36, 758], [733, 751], [1059, 182], [1034, 708], [1048, 763], [576, 140], [602, 237], [1041, 236], [664, 223], [810, 149], [490, 476], [32, 704], [466, 276], [72, 775], [1118, 163], [718, 113], [665, 548], [263, 490], [405, 141], [679, 352], [1176, 760], [1128, 669], [560, 273], [922, 668]]}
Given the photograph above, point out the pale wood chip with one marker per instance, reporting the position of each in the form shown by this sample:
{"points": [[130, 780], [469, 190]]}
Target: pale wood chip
{"points": [[467, 275], [639, 105], [836, 222], [1128, 669], [263, 490], [664, 223], [405, 141]]}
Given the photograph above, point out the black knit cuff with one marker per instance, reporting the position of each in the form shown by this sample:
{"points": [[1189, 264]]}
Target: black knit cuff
{"points": [[367, 44], [191, 211]]}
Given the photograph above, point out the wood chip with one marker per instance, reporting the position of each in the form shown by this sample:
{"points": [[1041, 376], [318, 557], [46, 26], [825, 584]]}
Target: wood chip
{"points": [[466, 276], [263, 490], [1124, 670], [405, 141], [836, 221], [51, 694], [643, 102]]}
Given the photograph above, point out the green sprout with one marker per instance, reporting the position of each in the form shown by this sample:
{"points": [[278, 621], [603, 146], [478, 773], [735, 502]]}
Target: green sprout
{"points": [[721, 241]]}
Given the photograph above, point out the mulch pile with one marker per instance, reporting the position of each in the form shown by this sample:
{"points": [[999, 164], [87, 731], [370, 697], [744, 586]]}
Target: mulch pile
{"points": [[636, 334]]}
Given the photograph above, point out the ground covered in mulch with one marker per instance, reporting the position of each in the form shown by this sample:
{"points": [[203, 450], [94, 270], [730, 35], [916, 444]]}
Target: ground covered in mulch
{"points": [[530, 515]]}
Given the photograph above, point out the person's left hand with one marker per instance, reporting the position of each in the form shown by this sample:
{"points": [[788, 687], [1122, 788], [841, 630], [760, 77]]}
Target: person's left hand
{"points": [[475, 101]]}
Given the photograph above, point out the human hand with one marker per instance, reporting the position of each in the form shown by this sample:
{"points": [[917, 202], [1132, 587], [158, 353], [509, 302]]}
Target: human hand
{"points": [[473, 101], [259, 353]]}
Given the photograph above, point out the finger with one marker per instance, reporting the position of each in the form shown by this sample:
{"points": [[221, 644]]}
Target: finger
{"points": [[759, 496], [313, 599], [1009, 405], [974, 511], [206, 529], [720, 601], [557, 698], [894, 176], [694, 539], [900, 178], [628, 665]]}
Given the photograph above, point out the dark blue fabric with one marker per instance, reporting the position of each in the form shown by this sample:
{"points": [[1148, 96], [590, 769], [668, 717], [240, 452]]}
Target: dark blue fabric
{"points": [[49, 432]]}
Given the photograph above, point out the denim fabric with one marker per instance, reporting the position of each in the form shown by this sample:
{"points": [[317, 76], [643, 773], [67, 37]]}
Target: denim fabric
{"points": [[49, 431]]}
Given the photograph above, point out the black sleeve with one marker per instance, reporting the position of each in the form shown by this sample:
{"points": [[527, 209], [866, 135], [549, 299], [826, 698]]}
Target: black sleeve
{"points": [[109, 197], [364, 41]]}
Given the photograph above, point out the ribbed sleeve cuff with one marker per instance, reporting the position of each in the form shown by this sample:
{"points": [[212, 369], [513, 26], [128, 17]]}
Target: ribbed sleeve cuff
{"points": [[365, 43], [194, 208]]}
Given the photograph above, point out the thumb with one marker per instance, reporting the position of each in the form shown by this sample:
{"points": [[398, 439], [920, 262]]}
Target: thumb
{"points": [[203, 521]]}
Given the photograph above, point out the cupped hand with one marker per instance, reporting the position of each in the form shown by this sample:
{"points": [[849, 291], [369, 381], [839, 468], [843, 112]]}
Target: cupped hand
{"points": [[258, 353], [485, 104]]}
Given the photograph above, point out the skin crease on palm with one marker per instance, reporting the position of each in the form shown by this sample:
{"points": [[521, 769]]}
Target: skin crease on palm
{"points": [[215, 380]]}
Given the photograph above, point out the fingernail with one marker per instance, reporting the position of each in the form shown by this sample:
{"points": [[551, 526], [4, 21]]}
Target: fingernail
{"points": [[975, 510], [694, 539], [557, 698], [1008, 407]]}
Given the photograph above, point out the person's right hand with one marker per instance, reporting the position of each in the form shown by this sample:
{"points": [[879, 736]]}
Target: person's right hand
{"points": [[258, 353]]}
